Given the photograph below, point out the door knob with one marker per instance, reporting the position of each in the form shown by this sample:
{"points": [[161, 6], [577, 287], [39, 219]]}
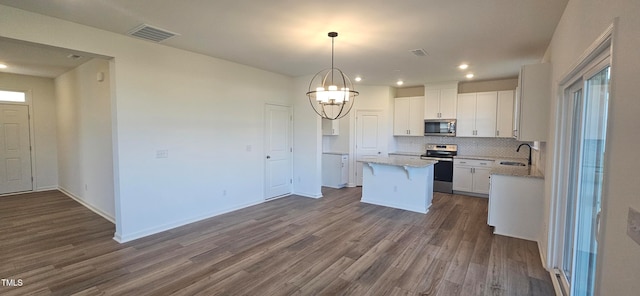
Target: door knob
{"points": [[268, 157]]}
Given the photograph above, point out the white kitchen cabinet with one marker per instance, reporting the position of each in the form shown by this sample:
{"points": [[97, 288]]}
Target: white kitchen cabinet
{"points": [[335, 170], [504, 116], [440, 101], [477, 114], [472, 175], [531, 107], [516, 206], [408, 116], [331, 127]]}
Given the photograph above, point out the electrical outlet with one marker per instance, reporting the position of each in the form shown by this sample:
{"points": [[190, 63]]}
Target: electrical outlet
{"points": [[633, 225], [162, 153]]}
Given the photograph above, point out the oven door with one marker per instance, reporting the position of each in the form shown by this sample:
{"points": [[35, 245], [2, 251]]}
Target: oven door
{"points": [[443, 170]]}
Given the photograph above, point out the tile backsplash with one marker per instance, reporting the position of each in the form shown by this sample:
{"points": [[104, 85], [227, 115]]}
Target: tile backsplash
{"points": [[497, 147]]}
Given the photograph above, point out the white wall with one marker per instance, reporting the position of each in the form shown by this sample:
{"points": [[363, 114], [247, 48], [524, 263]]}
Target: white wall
{"points": [[43, 105], [583, 21], [307, 142], [85, 158], [204, 111]]}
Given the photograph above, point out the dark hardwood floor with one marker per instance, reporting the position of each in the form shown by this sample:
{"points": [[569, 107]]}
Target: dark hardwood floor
{"points": [[290, 246]]}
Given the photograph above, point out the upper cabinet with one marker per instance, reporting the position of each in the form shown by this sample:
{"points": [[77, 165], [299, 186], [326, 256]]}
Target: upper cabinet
{"points": [[531, 108], [477, 114], [408, 116], [504, 118], [440, 100], [331, 127]]}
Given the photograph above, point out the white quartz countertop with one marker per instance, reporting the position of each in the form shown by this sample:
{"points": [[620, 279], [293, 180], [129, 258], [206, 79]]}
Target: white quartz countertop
{"points": [[507, 170], [417, 163], [406, 153], [336, 153]]}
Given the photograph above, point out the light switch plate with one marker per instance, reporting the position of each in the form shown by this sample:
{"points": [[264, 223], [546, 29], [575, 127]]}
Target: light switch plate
{"points": [[633, 225]]}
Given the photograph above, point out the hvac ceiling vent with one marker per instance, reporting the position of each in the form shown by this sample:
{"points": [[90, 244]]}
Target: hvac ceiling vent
{"points": [[151, 33], [419, 52]]}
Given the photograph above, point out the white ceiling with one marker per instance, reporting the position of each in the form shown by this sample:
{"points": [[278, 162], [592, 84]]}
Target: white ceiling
{"points": [[289, 37]]}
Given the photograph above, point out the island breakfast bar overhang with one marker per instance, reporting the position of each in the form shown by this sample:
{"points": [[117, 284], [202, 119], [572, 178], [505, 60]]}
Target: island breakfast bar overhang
{"points": [[398, 183]]}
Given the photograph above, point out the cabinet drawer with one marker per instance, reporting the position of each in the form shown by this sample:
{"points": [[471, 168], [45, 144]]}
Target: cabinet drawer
{"points": [[472, 162]]}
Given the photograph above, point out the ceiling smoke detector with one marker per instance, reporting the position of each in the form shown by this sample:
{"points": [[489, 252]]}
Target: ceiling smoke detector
{"points": [[419, 52], [151, 33]]}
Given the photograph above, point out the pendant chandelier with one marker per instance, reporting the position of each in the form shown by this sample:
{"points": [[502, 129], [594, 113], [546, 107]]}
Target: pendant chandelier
{"points": [[331, 92]]}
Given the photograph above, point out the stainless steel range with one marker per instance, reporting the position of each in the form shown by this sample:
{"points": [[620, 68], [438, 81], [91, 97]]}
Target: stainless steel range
{"points": [[443, 170]]}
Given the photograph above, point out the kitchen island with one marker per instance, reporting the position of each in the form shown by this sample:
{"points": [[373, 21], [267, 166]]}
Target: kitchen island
{"points": [[398, 183]]}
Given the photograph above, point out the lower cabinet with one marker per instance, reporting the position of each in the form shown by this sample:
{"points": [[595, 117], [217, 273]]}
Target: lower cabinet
{"points": [[472, 175], [335, 170], [516, 206]]}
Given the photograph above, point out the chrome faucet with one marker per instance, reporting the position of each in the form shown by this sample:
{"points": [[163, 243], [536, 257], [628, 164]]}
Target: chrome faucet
{"points": [[525, 144]]}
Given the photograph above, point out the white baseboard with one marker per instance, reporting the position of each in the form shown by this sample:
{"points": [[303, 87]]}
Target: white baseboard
{"points": [[87, 205], [310, 195], [157, 229], [46, 188], [395, 205]]}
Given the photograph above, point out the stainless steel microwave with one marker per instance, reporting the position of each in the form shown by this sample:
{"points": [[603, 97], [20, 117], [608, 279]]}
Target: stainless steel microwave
{"points": [[440, 127]]}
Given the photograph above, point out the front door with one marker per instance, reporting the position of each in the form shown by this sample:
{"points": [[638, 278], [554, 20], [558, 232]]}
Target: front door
{"points": [[278, 150], [15, 149], [370, 138]]}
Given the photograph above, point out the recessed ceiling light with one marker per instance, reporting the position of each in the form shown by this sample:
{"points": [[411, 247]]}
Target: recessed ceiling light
{"points": [[400, 82], [358, 78], [3, 66], [470, 75], [463, 66]]}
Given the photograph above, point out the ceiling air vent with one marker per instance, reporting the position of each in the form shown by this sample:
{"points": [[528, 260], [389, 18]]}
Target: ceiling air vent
{"points": [[419, 52], [151, 33]]}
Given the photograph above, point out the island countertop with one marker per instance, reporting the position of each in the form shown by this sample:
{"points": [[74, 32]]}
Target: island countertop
{"points": [[422, 163]]}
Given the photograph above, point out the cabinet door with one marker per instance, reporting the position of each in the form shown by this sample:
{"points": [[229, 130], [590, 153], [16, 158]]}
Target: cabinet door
{"points": [[431, 104], [486, 106], [533, 103], [462, 178], [481, 180], [401, 117], [345, 169], [416, 114], [466, 115], [330, 127], [448, 103], [504, 118]]}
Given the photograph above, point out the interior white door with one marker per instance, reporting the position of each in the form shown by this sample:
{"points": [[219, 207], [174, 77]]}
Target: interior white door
{"points": [[370, 137], [278, 151], [15, 149]]}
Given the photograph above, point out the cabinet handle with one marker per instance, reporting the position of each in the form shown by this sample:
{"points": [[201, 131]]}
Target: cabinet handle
{"points": [[333, 131]]}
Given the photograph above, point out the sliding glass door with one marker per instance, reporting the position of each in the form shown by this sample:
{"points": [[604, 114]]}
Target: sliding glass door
{"points": [[584, 136]]}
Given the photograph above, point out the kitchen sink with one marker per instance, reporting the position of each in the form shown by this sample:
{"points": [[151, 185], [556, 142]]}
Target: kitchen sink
{"points": [[513, 163]]}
